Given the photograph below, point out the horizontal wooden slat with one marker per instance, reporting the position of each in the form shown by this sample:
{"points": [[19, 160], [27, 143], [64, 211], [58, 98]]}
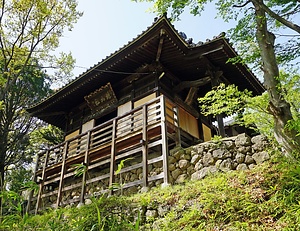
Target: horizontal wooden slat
{"points": [[98, 178], [156, 177], [154, 160], [50, 193], [131, 184], [130, 168]]}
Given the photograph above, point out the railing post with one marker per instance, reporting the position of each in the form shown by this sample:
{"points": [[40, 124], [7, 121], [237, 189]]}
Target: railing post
{"points": [[41, 185], [164, 137], [145, 148], [62, 174], [34, 180], [113, 157], [86, 164]]}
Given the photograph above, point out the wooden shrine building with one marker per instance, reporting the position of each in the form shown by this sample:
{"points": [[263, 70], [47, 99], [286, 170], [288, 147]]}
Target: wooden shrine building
{"points": [[132, 107]]}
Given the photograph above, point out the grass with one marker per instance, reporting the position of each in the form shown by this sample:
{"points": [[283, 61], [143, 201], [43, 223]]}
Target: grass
{"points": [[264, 198]]}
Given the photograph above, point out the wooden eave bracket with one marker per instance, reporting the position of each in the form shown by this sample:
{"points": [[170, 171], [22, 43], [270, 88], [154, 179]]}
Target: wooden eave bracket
{"points": [[214, 72], [191, 96], [195, 83]]}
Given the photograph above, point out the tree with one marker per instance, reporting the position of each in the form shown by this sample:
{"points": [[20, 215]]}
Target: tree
{"points": [[29, 31], [257, 23]]}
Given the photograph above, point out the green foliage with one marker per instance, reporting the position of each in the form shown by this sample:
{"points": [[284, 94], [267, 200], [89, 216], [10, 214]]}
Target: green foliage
{"points": [[246, 110], [30, 31], [252, 112], [121, 165], [18, 178], [46, 136], [80, 169], [224, 99]]}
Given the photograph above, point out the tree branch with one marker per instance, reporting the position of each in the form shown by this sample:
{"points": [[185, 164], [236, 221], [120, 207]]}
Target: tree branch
{"points": [[243, 5], [285, 22]]}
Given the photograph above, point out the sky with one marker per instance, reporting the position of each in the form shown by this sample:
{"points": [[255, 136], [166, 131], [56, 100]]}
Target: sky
{"points": [[107, 25]]}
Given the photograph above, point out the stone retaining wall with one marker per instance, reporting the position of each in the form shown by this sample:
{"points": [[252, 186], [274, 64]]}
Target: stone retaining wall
{"points": [[235, 153]]}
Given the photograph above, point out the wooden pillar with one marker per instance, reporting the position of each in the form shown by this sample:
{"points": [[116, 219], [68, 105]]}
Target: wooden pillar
{"points": [[145, 147], [215, 82], [177, 125], [215, 75], [86, 164], [164, 137], [34, 180], [41, 186], [62, 174], [221, 125], [113, 157]]}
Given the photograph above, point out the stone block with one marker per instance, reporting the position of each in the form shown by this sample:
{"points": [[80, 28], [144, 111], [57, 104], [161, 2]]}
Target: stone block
{"points": [[183, 164], [242, 140], [240, 158], [242, 167], [195, 159], [208, 159], [260, 157]]}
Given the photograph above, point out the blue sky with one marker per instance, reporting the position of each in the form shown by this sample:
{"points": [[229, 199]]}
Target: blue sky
{"points": [[107, 25]]}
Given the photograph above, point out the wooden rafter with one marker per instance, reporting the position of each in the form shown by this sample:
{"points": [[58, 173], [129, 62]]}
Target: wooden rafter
{"points": [[160, 45]]}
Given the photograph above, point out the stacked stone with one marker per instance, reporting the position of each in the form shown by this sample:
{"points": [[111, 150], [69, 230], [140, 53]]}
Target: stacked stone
{"points": [[235, 153]]}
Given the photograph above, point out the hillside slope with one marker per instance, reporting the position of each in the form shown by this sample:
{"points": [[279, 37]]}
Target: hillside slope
{"points": [[266, 197]]}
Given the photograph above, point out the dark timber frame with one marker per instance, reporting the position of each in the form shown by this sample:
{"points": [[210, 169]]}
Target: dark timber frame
{"points": [[150, 126]]}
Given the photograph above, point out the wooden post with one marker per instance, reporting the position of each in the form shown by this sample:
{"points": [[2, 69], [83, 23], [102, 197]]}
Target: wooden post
{"points": [[41, 186], [145, 147], [215, 83], [86, 164], [62, 174], [215, 75], [164, 137], [34, 180], [176, 123], [113, 158], [221, 125]]}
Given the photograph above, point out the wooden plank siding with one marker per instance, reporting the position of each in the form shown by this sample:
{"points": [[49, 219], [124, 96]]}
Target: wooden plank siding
{"points": [[140, 135]]}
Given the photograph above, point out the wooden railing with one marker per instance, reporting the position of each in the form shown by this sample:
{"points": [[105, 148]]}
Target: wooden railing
{"points": [[131, 135]]}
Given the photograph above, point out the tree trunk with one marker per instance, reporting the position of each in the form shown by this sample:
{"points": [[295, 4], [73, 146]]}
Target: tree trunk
{"points": [[278, 106]]}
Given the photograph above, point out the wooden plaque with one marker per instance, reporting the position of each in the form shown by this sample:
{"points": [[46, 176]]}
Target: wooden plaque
{"points": [[101, 99]]}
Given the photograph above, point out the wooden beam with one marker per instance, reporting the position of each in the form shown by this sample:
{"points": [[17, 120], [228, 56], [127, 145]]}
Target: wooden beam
{"points": [[191, 96], [196, 55], [196, 83], [160, 45], [51, 113]]}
